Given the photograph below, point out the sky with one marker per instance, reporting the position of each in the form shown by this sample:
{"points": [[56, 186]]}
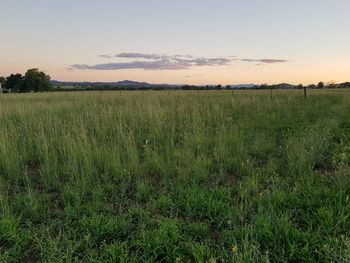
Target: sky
{"points": [[178, 41]]}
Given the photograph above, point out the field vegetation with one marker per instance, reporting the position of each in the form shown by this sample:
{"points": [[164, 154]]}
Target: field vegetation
{"points": [[175, 176]]}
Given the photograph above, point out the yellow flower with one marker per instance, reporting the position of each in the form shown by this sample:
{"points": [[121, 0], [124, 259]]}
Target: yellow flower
{"points": [[234, 248]]}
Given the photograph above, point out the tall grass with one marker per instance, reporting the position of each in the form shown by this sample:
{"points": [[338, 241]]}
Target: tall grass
{"points": [[175, 177]]}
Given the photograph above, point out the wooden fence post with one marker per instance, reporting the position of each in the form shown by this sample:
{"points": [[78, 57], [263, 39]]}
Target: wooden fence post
{"points": [[305, 93]]}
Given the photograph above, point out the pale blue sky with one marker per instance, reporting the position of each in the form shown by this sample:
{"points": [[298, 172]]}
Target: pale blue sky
{"points": [[311, 35]]}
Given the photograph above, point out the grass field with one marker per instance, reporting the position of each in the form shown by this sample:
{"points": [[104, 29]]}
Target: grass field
{"points": [[175, 177]]}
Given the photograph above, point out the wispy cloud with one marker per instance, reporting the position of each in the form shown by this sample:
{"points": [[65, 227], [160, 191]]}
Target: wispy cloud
{"points": [[146, 65], [165, 62], [139, 55], [264, 61], [195, 75], [106, 56]]}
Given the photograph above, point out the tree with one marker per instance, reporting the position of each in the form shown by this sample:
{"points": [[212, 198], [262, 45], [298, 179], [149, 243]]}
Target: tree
{"points": [[263, 86], [2, 80], [14, 81], [36, 80], [320, 85]]}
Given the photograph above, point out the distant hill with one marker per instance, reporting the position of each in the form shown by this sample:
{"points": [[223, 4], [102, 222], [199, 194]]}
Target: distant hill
{"points": [[285, 86], [132, 83], [243, 86], [86, 83], [127, 83], [136, 84]]}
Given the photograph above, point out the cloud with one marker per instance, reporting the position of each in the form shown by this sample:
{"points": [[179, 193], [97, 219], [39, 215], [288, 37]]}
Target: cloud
{"points": [[264, 61], [139, 55], [148, 61], [134, 55], [146, 65], [195, 75], [106, 56]]}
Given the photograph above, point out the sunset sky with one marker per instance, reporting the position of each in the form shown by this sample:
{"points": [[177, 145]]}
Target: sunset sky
{"points": [[178, 41]]}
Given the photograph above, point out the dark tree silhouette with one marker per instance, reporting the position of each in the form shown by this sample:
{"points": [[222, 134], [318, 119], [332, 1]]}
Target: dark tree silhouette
{"points": [[15, 82], [320, 85], [2, 80], [36, 80]]}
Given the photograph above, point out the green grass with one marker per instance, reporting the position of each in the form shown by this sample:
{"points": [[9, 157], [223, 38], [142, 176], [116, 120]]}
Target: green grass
{"points": [[175, 177]]}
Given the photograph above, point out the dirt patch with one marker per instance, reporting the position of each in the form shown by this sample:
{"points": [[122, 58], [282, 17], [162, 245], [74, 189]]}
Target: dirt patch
{"points": [[324, 168], [33, 169], [31, 256], [229, 178]]}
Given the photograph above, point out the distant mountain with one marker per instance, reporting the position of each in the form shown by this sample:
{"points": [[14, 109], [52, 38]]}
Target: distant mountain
{"points": [[285, 86], [243, 86], [87, 83], [132, 83], [275, 86], [126, 83], [136, 84]]}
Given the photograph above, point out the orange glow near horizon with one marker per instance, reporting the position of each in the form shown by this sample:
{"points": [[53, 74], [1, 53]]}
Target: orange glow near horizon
{"points": [[243, 42], [225, 75]]}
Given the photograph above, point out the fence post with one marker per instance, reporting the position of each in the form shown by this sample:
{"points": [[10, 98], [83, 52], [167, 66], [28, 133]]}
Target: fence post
{"points": [[305, 93]]}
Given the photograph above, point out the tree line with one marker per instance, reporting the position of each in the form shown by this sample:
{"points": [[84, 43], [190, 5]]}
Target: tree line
{"points": [[111, 87], [38, 81], [33, 80]]}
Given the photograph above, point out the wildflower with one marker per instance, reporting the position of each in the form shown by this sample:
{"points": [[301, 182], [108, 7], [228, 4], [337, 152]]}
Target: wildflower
{"points": [[177, 259], [234, 249], [212, 260]]}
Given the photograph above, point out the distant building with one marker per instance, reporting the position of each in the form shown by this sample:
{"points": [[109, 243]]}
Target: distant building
{"points": [[2, 90], [6, 90]]}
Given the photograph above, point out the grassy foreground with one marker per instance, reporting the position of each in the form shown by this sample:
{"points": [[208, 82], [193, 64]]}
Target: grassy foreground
{"points": [[175, 177]]}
